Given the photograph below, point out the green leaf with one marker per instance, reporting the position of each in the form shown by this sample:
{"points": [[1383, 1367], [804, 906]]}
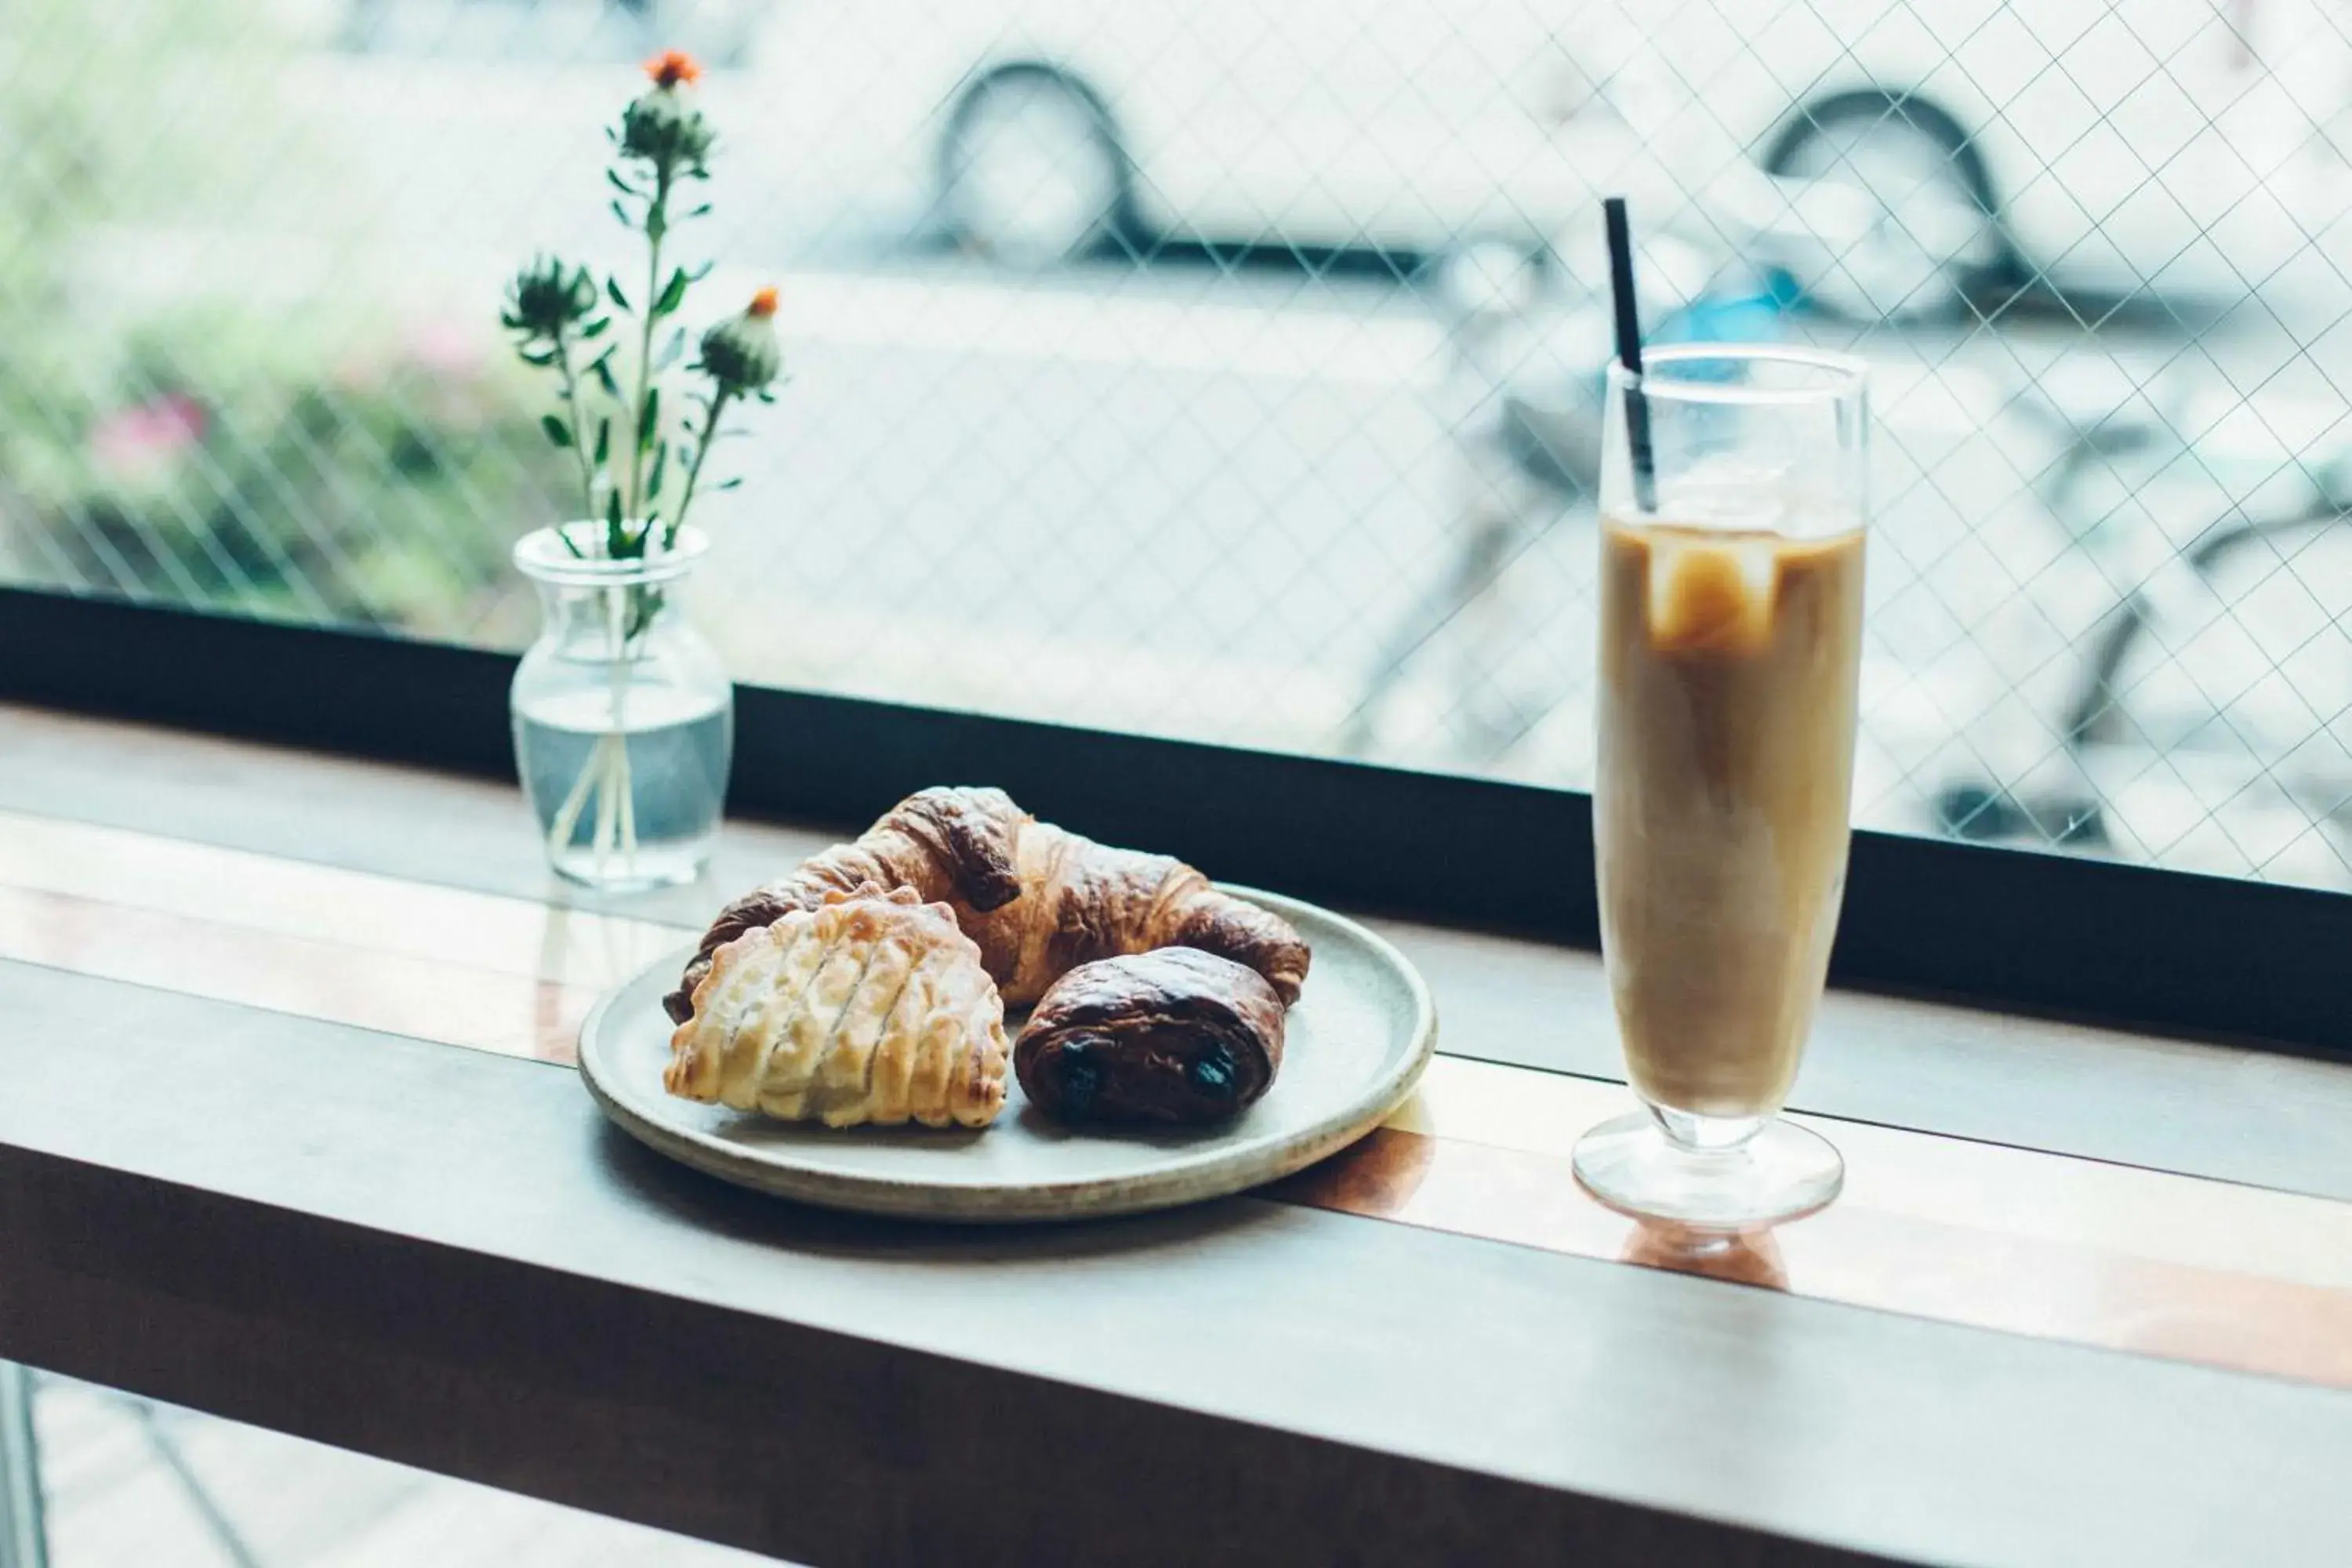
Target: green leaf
{"points": [[661, 464], [594, 329], [543, 358], [673, 296], [656, 221], [619, 183], [649, 420], [622, 213], [670, 351], [700, 211], [703, 271], [616, 538], [604, 440], [734, 484], [602, 369], [556, 430], [645, 603], [613, 288]]}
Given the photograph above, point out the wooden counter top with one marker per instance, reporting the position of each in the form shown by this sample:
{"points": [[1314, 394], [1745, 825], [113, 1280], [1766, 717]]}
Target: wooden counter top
{"points": [[242, 1167]]}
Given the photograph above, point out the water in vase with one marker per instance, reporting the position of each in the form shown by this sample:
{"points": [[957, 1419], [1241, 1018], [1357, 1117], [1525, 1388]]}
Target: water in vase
{"points": [[636, 809]]}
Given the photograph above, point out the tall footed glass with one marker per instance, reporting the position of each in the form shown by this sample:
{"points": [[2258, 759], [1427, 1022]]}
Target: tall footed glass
{"points": [[1731, 599]]}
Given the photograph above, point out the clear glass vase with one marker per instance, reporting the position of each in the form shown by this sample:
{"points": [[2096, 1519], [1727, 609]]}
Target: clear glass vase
{"points": [[624, 717]]}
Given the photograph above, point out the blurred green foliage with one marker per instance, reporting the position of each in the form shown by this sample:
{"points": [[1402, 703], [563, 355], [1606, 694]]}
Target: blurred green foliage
{"points": [[324, 461]]}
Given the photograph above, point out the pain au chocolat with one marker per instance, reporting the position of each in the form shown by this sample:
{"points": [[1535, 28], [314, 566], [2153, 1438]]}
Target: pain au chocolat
{"points": [[1174, 1036]]}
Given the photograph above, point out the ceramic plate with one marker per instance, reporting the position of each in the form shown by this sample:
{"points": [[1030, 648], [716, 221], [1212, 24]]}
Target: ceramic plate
{"points": [[1355, 1045]]}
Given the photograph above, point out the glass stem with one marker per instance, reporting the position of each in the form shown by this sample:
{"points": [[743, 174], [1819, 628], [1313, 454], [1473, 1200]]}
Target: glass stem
{"points": [[1705, 1134]]}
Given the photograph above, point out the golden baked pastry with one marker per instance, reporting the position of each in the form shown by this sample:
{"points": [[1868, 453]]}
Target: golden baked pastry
{"points": [[1039, 900], [872, 1007]]}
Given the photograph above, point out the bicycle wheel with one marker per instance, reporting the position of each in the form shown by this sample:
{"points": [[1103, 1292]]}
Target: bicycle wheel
{"points": [[2217, 701]]}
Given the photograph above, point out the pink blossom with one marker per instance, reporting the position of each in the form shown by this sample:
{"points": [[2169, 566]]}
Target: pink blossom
{"points": [[138, 441]]}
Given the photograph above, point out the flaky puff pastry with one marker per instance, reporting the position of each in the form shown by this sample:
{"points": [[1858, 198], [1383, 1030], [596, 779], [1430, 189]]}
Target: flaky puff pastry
{"points": [[873, 1006]]}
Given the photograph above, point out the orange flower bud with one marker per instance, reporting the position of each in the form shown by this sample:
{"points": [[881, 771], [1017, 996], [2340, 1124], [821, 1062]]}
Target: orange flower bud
{"points": [[740, 352], [672, 67]]}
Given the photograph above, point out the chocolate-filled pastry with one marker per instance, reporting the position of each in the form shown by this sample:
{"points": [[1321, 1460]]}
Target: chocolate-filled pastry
{"points": [[1039, 900], [1172, 1037]]}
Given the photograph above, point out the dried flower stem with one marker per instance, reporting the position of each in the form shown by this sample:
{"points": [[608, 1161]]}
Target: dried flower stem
{"points": [[656, 226], [617, 816], [578, 433], [607, 777], [702, 445]]}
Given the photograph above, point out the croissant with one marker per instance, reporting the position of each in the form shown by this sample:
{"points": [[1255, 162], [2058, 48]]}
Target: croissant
{"points": [[1039, 900], [1173, 1036], [870, 1007]]}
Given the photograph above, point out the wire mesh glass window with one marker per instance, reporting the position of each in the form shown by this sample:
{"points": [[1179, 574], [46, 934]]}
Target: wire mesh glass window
{"points": [[1231, 369]]}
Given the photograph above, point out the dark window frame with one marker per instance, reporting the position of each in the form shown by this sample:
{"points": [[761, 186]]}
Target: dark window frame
{"points": [[2171, 951]]}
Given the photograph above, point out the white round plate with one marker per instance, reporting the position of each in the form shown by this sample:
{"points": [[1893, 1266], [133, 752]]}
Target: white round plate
{"points": [[1354, 1046]]}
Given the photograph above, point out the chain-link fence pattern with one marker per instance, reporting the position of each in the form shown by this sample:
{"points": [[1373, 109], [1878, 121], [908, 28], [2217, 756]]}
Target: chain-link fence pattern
{"points": [[1229, 369]]}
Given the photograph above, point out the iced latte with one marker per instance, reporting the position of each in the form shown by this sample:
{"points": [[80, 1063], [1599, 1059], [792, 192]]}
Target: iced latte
{"points": [[1729, 664], [1734, 498]]}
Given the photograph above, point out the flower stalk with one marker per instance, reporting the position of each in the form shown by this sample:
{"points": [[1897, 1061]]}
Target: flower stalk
{"points": [[571, 406]]}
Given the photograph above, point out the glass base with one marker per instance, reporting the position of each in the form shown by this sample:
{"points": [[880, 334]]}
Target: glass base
{"points": [[647, 866], [1714, 1174]]}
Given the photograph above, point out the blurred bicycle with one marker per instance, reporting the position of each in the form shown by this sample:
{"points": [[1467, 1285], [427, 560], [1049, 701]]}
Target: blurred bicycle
{"points": [[2208, 667], [1531, 337]]}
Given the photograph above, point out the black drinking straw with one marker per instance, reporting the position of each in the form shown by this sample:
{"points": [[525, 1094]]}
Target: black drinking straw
{"points": [[1629, 355]]}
